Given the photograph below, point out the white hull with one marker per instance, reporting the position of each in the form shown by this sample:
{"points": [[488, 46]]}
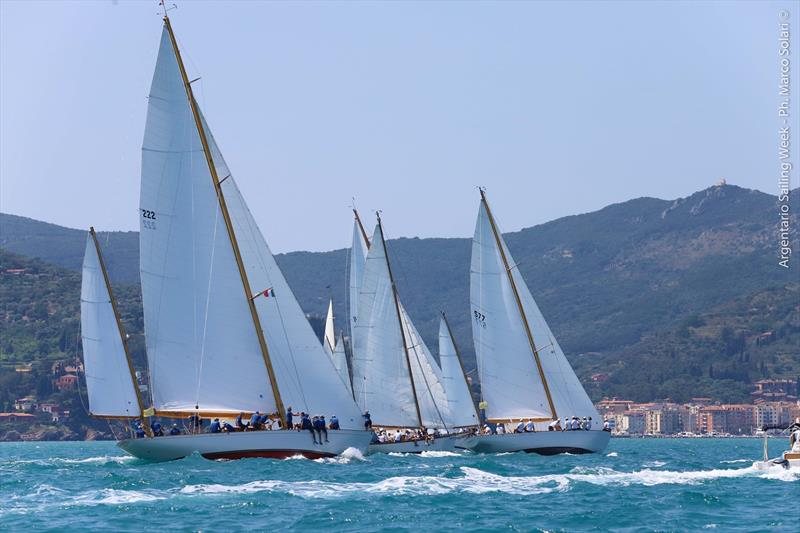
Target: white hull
{"points": [[440, 444], [541, 442], [238, 445], [789, 459]]}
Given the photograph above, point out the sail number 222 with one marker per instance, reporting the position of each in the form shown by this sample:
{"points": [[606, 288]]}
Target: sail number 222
{"points": [[148, 219]]}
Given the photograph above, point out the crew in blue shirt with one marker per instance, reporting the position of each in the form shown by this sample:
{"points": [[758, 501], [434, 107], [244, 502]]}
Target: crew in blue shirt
{"points": [[227, 428], [367, 420], [214, 427], [289, 415], [254, 420], [319, 426], [139, 431], [157, 430], [334, 422], [174, 430], [239, 424], [305, 423]]}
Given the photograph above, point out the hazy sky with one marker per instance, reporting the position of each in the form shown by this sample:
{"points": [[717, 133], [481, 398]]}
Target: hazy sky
{"points": [[557, 109]]}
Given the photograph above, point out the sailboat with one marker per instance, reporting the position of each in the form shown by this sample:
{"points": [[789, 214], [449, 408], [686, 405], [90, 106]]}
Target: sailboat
{"points": [[395, 378], [462, 408], [224, 333], [523, 372]]}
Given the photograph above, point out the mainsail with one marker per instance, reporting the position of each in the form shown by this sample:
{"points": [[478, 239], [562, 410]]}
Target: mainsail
{"points": [[356, 266], [109, 376], [462, 407], [521, 376], [224, 331]]}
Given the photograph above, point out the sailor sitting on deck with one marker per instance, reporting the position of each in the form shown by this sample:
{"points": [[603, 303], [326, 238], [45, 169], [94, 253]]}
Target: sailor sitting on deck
{"points": [[529, 427], [139, 431], [606, 425], [255, 421], [553, 426], [319, 427], [227, 428], [305, 423], [241, 426], [334, 423], [214, 427], [501, 429], [520, 428], [158, 431], [175, 430], [367, 420], [487, 430]]}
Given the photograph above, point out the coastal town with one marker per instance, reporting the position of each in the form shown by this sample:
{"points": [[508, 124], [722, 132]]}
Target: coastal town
{"points": [[774, 402]]}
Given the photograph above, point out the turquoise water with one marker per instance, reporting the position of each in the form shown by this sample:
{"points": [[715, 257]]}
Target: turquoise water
{"points": [[636, 485]]}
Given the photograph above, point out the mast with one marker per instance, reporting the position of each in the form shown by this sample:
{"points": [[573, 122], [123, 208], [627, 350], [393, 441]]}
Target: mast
{"points": [[228, 225], [521, 309], [361, 227], [461, 364], [122, 335], [399, 318]]}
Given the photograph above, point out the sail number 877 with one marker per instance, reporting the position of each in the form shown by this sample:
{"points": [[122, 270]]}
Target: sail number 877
{"points": [[480, 318]]}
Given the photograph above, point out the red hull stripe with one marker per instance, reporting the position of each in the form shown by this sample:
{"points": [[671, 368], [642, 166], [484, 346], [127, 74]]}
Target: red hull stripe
{"points": [[272, 454]]}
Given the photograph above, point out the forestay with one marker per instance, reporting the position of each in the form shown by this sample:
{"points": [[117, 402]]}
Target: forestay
{"points": [[433, 405], [381, 382], [459, 399], [202, 348], [109, 382], [510, 381]]}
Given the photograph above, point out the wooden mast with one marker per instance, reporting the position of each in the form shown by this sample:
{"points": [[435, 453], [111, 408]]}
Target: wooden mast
{"points": [[229, 226], [123, 337], [361, 227], [399, 323], [521, 309], [461, 364]]}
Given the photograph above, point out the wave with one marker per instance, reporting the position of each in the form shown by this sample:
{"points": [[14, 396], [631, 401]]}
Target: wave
{"points": [[116, 497], [350, 454], [653, 464], [434, 453], [612, 454], [53, 461], [737, 461]]}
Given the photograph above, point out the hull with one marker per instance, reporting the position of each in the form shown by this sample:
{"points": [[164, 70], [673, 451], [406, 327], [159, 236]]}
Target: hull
{"points": [[789, 459], [273, 444], [447, 443], [541, 442]]}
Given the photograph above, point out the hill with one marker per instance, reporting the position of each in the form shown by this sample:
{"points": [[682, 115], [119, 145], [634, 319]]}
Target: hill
{"points": [[618, 287]]}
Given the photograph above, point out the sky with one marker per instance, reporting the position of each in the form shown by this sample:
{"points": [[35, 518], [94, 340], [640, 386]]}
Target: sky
{"points": [[556, 108]]}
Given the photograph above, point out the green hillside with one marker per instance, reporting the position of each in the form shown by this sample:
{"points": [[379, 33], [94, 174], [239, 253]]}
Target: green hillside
{"points": [[625, 289]]}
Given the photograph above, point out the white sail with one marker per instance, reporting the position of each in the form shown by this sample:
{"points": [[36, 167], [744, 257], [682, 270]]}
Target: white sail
{"points": [[356, 264], [307, 379], [428, 380], [202, 348], [381, 382], [109, 383], [510, 380], [459, 399], [340, 363], [329, 340]]}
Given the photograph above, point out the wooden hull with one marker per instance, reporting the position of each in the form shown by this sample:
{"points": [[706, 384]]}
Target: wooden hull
{"points": [[446, 443], [541, 442], [238, 445]]}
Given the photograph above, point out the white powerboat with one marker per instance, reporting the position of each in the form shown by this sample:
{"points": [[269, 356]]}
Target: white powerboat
{"points": [[789, 458]]}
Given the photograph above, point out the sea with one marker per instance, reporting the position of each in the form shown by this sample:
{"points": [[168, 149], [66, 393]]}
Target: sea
{"points": [[634, 485]]}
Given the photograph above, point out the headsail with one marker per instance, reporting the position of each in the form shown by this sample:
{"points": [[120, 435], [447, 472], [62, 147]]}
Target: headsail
{"points": [[340, 362], [329, 340], [512, 384], [433, 405], [109, 376], [356, 265], [462, 407], [381, 380]]}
